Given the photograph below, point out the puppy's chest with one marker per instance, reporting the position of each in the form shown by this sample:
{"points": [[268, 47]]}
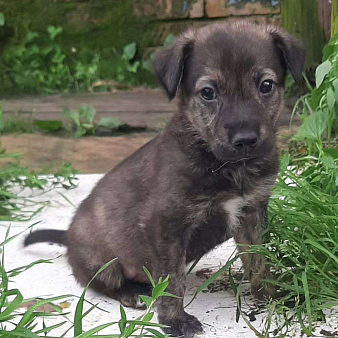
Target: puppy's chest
{"points": [[228, 209], [234, 210]]}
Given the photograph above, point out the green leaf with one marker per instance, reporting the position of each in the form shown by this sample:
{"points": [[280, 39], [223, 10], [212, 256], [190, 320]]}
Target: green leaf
{"points": [[133, 68], [123, 320], [316, 96], [78, 328], [148, 316], [91, 332], [72, 115], [80, 132], [335, 86], [159, 289], [111, 122], [13, 305], [54, 31], [2, 20], [328, 161], [168, 40], [146, 300], [147, 65], [284, 162], [89, 128], [31, 36], [313, 126], [235, 289], [307, 301], [167, 294], [129, 51], [87, 113], [331, 100], [130, 330], [149, 276], [332, 152], [156, 333], [321, 71], [140, 322]]}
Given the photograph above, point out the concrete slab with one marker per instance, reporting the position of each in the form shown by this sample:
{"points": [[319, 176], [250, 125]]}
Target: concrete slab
{"points": [[217, 311]]}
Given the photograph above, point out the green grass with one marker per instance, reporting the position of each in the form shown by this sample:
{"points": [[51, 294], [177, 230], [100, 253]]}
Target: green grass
{"points": [[16, 125], [302, 251], [15, 179]]}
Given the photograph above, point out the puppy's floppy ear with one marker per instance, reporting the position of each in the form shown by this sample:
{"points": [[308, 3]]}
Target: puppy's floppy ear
{"points": [[292, 50], [168, 64]]}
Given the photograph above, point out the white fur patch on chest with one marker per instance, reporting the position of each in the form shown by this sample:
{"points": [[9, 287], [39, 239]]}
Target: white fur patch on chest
{"points": [[233, 208]]}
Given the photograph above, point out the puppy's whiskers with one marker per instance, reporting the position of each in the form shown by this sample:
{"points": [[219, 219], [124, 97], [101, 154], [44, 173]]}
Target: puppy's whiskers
{"points": [[211, 120], [234, 162]]}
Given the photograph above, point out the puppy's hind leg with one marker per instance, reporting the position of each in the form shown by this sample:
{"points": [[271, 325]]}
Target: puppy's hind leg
{"points": [[111, 281], [128, 294]]}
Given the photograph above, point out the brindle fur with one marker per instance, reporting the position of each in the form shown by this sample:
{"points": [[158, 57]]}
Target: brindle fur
{"points": [[175, 199]]}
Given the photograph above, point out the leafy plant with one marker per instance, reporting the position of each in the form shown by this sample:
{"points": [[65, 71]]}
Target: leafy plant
{"points": [[40, 64], [319, 128], [126, 64], [82, 120], [110, 122], [85, 73], [322, 102]]}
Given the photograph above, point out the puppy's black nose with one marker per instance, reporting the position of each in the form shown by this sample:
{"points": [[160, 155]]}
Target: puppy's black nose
{"points": [[245, 140]]}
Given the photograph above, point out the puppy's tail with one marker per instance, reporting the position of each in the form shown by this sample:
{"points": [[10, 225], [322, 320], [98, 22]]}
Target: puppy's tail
{"points": [[51, 236]]}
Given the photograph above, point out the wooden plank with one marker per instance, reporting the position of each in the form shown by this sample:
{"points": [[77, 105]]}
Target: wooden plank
{"points": [[324, 11]]}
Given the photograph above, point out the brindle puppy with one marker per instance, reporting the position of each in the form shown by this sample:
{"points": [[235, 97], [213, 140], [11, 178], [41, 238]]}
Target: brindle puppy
{"points": [[205, 178]]}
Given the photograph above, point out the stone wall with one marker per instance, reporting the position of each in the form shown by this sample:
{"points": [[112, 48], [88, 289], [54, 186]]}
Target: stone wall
{"points": [[193, 9], [173, 16]]}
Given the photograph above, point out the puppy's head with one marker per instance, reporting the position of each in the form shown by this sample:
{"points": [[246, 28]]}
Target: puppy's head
{"points": [[230, 81]]}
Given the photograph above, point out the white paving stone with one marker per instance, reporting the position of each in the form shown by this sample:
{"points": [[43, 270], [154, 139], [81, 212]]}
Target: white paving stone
{"points": [[217, 311]]}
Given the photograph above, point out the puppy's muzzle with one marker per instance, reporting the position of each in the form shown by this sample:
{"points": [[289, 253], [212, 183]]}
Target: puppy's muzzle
{"points": [[244, 140]]}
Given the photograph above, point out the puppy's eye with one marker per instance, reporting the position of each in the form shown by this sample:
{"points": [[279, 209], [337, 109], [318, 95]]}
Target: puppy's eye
{"points": [[208, 93], [266, 87]]}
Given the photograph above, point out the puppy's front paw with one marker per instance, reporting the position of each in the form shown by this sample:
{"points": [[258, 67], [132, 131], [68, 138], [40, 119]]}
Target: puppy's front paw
{"points": [[186, 326], [264, 292]]}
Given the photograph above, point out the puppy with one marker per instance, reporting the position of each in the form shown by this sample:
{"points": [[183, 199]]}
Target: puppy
{"points": [[205, 178]]}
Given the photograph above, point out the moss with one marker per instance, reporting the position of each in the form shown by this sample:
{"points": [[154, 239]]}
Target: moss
{"points": [[334, 18], [301, 19]]}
